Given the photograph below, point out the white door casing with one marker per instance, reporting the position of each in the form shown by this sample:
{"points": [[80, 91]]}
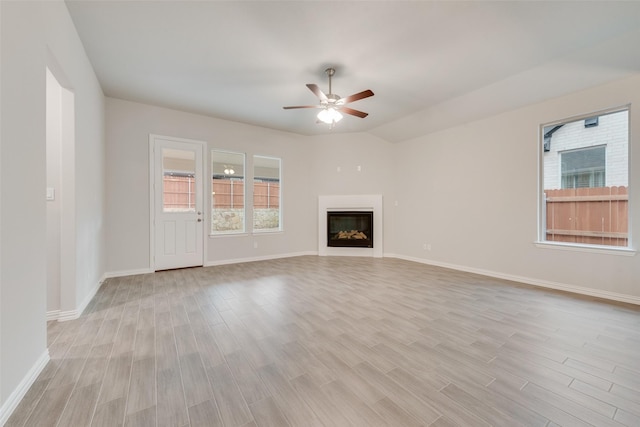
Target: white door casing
{"points": [[177, 214]]}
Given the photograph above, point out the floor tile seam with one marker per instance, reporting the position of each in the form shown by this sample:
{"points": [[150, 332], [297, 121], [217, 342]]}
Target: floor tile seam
{"points": [[617, 406], [545, 404], [236, 384], [515, 353], [35, 405], [110, 358], [75, 387], [583, 409], [546, 368], [497, 412], [179, 366], [391, 396]]}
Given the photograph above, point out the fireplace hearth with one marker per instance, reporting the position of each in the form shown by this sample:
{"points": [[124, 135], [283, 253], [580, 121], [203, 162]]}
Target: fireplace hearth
{"points": [[353, 229]]}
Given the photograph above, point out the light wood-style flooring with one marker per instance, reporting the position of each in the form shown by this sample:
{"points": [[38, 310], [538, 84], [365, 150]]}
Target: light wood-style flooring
{"points": [[333, 341]]}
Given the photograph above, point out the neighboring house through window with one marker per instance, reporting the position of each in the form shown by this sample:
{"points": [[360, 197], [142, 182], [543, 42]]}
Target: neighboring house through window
{"points": [[583, 167], [585, 183]]}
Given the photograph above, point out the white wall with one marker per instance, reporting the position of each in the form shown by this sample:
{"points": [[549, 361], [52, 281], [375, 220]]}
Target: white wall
{"points": [[23, 210], [309, 168], [54, 207], [471, 191], [440, 181], [36, 35], [336, 158], [128, 127], [2, 399]]}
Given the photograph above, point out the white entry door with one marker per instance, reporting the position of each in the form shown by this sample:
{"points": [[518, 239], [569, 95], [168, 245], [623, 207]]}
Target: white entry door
{"points": [[178, 219]]}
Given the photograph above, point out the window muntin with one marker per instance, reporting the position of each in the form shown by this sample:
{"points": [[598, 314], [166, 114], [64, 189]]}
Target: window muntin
{"points": [[227, 192], [267, 194], [585, 180]]}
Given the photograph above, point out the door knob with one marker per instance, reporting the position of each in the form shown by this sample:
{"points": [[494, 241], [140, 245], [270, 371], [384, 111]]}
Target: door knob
{"points": [[199, 219]]}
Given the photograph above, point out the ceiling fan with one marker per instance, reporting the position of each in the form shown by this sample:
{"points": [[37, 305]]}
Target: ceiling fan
{"points": [[332, 105]]}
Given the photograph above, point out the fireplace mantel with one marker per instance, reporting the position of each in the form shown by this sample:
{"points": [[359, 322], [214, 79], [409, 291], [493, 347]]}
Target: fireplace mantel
{"points": [[365, 203]]}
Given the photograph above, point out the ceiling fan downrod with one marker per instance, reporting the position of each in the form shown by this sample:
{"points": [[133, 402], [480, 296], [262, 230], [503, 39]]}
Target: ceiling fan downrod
{"points": [[330, 72]]}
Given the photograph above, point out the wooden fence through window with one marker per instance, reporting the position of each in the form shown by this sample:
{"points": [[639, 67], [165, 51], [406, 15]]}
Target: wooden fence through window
{"points": [[595, 216], [266, 195], [179, 193], [227, 194]]}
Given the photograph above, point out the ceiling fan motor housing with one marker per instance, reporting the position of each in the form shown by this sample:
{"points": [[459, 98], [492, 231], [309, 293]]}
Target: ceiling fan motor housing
{"points": [[332, 99]]}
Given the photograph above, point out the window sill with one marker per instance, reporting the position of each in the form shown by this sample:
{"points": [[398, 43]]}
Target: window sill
{"points": [[267, 231], [607, 250], [215, 236], [245, 234]]}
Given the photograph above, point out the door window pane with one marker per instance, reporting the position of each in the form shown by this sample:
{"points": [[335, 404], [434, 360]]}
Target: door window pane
{"points": [[179, 182]]}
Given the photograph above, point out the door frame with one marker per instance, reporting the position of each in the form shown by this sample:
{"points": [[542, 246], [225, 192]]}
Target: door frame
{"points": [[152, 195]]}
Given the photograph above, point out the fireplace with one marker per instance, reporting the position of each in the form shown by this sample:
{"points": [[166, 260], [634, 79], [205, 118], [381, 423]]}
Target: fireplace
{"points": [[368, 204], [353, 229]]}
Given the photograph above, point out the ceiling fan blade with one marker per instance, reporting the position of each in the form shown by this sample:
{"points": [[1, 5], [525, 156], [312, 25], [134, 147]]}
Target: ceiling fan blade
{"points": [[302, 106], [315, 89], [353, 112], [356, 96]]}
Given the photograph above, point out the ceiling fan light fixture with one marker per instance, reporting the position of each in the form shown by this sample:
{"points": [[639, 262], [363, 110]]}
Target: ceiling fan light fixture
{"points": [[329, 116], [330, 103]]}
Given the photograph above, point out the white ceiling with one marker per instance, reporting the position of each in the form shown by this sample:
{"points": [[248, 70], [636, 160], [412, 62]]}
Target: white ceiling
{"points": [[430, 64]]}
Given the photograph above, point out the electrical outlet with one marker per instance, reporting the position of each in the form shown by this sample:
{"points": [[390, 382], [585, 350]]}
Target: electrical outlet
{"points": [[424, 246], [429, 246], [255, 245]]}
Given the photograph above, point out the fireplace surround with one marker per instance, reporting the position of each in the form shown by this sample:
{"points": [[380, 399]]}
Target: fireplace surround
{"points": [[361, 205]]}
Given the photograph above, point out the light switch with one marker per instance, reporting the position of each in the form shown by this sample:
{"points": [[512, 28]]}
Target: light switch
{"points": [[51, 193]]}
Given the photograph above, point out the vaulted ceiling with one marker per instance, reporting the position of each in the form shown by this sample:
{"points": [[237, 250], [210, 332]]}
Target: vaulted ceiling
{"points": [[430, 64]]}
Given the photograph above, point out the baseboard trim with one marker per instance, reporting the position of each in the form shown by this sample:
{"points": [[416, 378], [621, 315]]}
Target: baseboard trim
{"points": [[614, 296], [122, 273], [90, 296], [16, 396], [261, 258], [53, 315], [62, 316]]}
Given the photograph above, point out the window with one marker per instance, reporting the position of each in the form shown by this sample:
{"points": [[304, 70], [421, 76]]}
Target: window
{"points": [[585, 168], [227, 192], [267, 215]]}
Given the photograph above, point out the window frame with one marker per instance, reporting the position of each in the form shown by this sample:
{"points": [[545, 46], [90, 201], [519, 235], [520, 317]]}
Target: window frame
{"points": [[541, 241], [243, 231], [280, 228]]}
